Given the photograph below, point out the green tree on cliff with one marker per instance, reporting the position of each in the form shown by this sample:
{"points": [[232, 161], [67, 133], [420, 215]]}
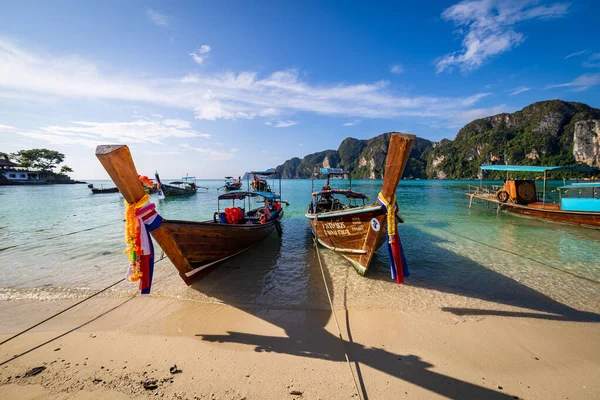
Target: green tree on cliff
{"points": [[43, 159]]}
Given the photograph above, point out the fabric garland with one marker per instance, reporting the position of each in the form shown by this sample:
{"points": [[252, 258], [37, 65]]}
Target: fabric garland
{"points": [[141, 218], [398, 266]]}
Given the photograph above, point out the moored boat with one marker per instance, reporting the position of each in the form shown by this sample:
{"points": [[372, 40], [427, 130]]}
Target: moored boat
{"points": [[353, 228], [232, 184], [185, 187], [195, 248], [577, 203], [102, 189]]}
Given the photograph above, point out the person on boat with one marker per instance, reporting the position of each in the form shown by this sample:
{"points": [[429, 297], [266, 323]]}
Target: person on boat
{"points": [[266, 212]]}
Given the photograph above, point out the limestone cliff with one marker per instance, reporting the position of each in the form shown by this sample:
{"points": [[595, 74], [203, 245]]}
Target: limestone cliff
{"points": [[586, 142]]}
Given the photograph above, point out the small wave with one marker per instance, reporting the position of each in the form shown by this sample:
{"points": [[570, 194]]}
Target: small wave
{"points": [[46, 293]]}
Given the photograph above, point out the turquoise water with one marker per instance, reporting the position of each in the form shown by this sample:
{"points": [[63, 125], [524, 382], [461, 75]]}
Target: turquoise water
{"points": [[62, 241]]}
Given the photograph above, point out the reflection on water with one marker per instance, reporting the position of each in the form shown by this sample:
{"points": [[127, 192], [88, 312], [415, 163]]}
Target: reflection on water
{"points": [[458, 257]]}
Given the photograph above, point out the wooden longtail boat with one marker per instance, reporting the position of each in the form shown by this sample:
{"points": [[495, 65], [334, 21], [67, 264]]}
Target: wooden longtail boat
{"points": [[195, 248], [357, 231], [102, 189], [232, 184], [578, 203], [187, 186]]}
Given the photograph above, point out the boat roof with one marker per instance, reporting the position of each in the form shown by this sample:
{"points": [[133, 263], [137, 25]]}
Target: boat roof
{"points": [[266, 173], [534, 168], [332, 171], [348, 193], [229, 177], [580, 185], [188, 177], [242, 194], [176, 183]]}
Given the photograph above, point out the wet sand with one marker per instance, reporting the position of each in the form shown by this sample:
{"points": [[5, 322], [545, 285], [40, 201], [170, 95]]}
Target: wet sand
{"points": [[125, 347]]}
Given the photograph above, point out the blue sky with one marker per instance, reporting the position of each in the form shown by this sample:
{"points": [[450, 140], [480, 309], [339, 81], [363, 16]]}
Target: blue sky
{"points": [[218, 88]]}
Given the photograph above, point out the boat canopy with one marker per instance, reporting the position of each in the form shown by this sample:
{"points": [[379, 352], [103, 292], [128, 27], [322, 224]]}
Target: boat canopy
{"points": [[332, 171], [188, 177], [240, 195], [176, 183], [265, 173], [229, 177], [534, 168], [351, 194]]}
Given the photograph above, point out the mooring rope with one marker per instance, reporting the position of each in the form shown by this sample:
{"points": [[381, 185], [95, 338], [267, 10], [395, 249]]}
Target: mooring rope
{"points": [[69, 308], [585, 278], [358, 391]]}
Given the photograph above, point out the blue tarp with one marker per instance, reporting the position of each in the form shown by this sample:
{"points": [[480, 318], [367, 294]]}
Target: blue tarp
{"points": [[532, 168], [239, 195], [268, 195]]}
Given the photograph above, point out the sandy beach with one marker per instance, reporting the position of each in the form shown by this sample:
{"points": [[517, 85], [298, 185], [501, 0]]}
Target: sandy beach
{"points": [[127, 347]]}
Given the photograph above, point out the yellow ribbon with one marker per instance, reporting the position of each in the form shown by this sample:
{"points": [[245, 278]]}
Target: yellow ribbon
{"points": [[131, 235], [390, 206]]}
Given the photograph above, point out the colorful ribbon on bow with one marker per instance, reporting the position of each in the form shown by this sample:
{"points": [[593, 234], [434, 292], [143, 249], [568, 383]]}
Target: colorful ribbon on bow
{"points": [[398, 266], [141, 218]]}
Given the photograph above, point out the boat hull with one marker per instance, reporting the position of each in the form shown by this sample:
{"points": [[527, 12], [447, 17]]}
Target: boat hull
{"points": [[587, 219], [102, 191], [172, 191], [355, 233], [197, 248]]}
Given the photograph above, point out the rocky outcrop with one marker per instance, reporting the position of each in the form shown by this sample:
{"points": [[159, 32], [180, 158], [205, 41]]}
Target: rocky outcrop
{"points": [[365, 159], [551, 132], [542, 133], [586, 142]]}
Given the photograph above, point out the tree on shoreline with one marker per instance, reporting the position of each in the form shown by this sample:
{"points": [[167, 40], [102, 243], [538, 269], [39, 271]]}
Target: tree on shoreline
{"points": [[43, 159]]}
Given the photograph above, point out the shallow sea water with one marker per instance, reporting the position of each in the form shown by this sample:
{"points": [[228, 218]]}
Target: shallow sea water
{"points": [[63, 242]]}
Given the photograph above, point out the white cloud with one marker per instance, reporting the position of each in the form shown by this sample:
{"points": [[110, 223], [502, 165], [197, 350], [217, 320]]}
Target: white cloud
{"points": [[518, 90], [488, 27], [212, 153], [158, 18], [396, 69], [93, 133], [282, 124], [268, 123], [470, 115], [352, 123], [228, 95], [577, 53], [7, 128], [178, 123], [580, 83], [196, 54], [593, 61]]}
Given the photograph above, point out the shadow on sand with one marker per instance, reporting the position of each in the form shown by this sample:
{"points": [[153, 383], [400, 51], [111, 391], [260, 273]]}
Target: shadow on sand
{"points": [[308, 338]]}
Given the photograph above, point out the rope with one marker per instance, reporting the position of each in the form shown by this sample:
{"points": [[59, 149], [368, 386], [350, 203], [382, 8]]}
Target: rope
{"points": [[358, 391], [518, 255], [73, 329], [67, 309]]}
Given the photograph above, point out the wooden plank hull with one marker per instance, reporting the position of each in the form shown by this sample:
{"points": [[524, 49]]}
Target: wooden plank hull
{"points": [[552, 213], [356, 233], [572, 217], [197, 248], [172, 191]]}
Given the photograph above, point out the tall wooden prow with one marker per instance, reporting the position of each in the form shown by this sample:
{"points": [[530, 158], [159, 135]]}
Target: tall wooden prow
{"points": [[397, 157]]}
